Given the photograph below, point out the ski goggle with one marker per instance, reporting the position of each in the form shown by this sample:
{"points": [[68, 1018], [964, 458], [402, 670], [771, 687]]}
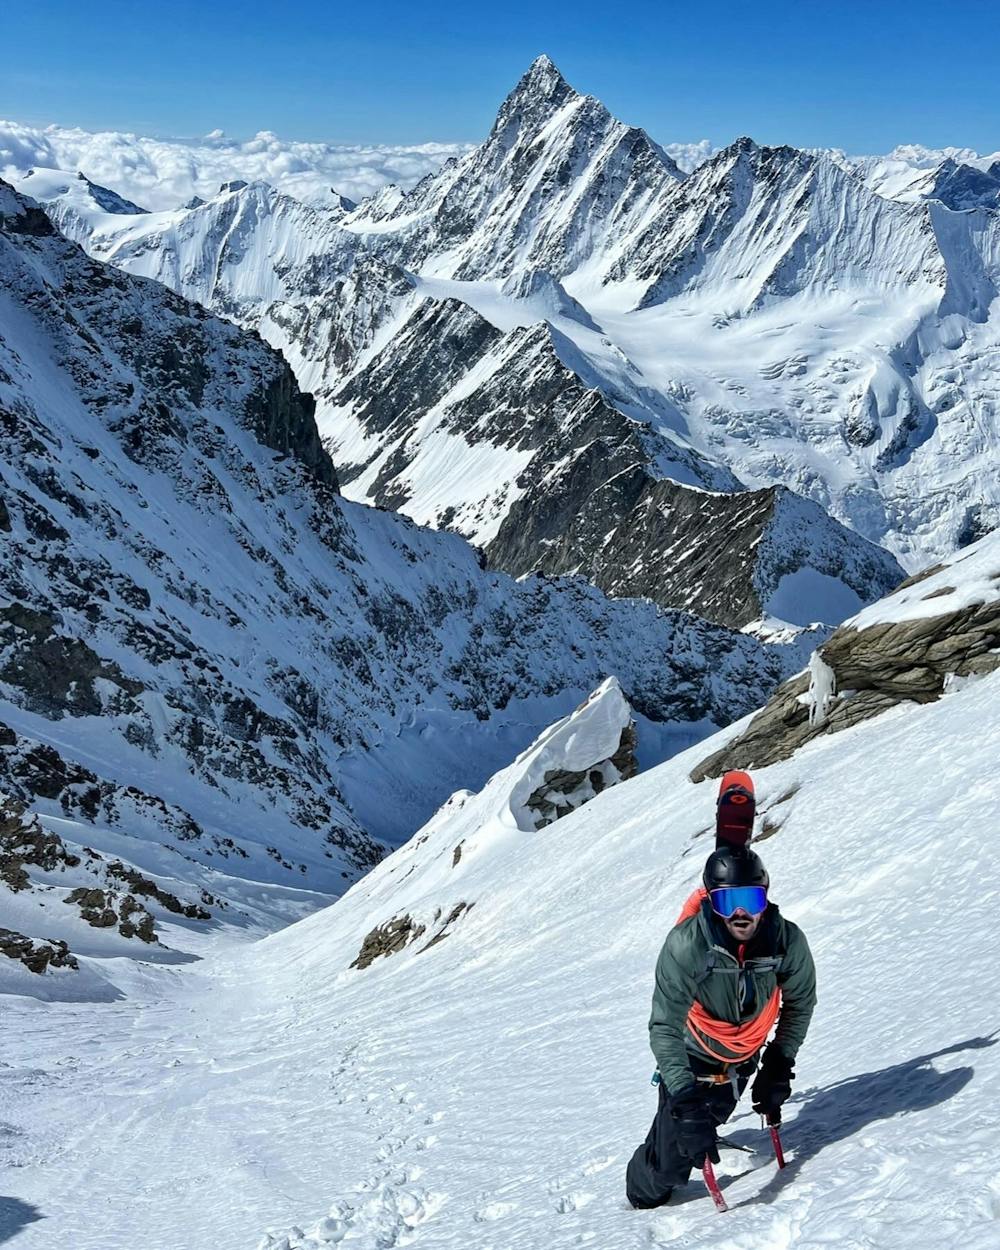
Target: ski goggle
{"points": [[732, 898]]}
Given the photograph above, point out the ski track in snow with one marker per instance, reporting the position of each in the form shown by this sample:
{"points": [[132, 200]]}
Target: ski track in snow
{"points": [[489, 1093]]}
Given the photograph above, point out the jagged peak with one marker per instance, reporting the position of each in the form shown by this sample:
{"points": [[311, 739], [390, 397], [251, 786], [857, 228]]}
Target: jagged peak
{"points": [[759, 158], [539, 93], [542, 75]]}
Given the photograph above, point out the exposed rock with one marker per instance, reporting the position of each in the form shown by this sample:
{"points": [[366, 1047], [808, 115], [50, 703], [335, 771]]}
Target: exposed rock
{"points": [[55, 673], [387, 939], [454, 915], [720, 555], [394, 935], [875, 668], [30, 769], [95, 907], [24, 842], [98, 908], [135, 920], [149, 889], [36, 956], [562, 791]]}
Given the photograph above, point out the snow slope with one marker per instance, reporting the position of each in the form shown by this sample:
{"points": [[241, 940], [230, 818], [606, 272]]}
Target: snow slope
{"points": [[487, 1090]]}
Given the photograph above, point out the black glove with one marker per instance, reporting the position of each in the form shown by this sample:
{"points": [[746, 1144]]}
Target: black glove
{"points": [[773, 1084], [694, 1126]]}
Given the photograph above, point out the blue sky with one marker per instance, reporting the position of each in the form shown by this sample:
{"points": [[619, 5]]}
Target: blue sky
{"points": [[863, 76]]}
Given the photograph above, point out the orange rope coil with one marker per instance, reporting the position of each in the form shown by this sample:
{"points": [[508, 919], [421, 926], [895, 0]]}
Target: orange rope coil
{"points": [[741, 1040]]}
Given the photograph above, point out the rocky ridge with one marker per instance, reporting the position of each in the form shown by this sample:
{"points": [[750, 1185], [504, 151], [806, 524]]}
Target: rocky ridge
{"points": [[939, 630], [571, 484]]}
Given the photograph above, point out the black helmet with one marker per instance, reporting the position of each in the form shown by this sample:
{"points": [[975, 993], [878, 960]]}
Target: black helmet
{"points": [[734, 866]]}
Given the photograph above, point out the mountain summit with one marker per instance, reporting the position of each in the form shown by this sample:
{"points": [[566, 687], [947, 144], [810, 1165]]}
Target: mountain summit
{"points": [[540, 92]]}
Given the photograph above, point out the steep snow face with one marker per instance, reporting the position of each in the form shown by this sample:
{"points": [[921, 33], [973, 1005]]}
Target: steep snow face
{"points": [[236, 254], [349, 1104], [202, 644], [758, 224]]}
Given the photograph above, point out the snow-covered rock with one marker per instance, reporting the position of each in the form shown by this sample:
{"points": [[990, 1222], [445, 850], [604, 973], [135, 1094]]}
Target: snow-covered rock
{"points": [[937, 632]]}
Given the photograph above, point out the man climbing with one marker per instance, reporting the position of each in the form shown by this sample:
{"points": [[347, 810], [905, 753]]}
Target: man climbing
{"points": [[730, 970]]}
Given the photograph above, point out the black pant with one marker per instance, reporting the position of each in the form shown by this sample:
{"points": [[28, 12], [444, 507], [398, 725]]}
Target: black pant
{"points": [[658, 1164]]}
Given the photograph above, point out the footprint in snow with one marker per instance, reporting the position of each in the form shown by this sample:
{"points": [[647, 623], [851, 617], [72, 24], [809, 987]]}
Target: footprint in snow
{"points": [[494, 1211], [573, 1202], [387, 1218]]}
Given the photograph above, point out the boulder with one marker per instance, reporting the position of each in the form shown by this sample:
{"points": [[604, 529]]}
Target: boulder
{"points": [[875, 668]]}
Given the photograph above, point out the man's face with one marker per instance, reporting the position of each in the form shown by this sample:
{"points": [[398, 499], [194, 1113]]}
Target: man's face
{"points": [[742, 925]]}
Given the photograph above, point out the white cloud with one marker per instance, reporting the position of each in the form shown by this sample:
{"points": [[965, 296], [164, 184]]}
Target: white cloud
{"points": [[164, 173], [689, 156]]}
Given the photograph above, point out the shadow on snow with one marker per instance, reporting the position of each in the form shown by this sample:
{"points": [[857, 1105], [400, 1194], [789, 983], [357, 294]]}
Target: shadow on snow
{"points": [[831, 1113], [14, 1215]]}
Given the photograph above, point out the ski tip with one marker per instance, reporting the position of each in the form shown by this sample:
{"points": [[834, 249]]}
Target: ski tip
{"points": [[735, 779]]}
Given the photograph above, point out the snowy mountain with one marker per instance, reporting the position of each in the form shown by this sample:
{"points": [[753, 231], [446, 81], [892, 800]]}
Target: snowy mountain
{"points": [[79, 200], [218, 671], [504, 995], [768, 320], [959, 177], [557, 181]]}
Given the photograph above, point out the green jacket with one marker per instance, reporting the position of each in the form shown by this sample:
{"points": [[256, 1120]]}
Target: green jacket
{"points": [[694, 964]]}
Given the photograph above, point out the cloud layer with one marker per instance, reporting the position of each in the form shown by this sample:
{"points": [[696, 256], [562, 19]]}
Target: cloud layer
{"points": [[164, 173]]}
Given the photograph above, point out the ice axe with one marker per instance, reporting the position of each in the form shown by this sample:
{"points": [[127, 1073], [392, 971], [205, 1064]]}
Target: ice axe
{"points": [[779, 1154], [712, 1185]]}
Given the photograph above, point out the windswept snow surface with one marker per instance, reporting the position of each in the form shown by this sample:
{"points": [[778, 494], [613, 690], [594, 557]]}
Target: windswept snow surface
{"points": [[487, 1091]]}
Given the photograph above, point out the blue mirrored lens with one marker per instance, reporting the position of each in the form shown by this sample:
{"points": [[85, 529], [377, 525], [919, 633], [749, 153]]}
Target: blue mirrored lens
{"points": [[749, 898]]}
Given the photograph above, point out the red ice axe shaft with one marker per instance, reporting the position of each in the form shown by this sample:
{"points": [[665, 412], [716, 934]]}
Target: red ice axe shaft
{"points": [[779, 1154], [712, 1185], [708, 1172]]}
